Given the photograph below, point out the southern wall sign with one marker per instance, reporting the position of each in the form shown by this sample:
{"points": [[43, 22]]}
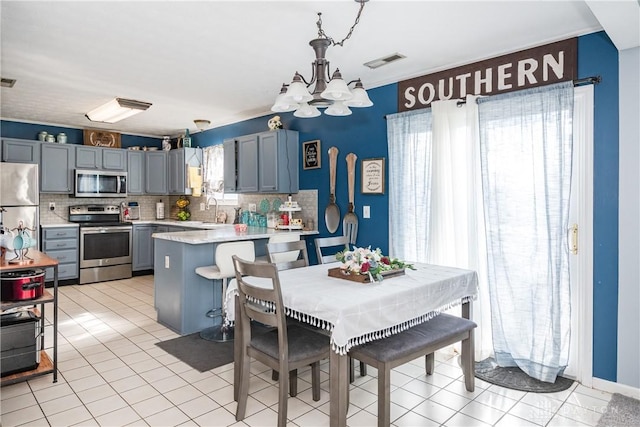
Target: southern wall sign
{"points": [[538, 66]]}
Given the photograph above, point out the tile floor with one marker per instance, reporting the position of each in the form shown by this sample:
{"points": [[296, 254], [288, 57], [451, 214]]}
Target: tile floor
{"points": [[113, 374]]}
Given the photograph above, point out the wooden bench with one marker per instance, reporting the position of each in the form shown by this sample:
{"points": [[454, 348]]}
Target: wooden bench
{"points": [[421, 340]]}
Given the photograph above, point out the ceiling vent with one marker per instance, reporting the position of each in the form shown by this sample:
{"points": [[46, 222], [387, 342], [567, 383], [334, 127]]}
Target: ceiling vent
{"points": [[8, 82], [377, 63]]}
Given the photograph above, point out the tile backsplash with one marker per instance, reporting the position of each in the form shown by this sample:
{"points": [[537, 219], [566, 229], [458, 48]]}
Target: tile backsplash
{"points": [[307, 200]]}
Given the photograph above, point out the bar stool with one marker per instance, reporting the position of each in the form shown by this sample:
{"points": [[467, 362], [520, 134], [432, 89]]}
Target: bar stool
{"points": [[223, 270]]}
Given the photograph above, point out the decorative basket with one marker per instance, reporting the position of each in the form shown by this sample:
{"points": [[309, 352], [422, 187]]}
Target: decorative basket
{"points": [[362, 278]]}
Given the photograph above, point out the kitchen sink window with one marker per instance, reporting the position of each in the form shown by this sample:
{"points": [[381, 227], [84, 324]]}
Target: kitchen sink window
{"points": [[214, 176]]}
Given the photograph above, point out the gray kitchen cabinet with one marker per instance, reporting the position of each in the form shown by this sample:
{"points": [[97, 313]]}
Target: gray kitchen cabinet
{"points": [[135, 172], [248, 164], [278, 162], [62, 243], [230, 165], [156, 172], [179, 162], [56, 168], [20, 150], [265, 162], [143, 247], [114, 159], [89, 157]]}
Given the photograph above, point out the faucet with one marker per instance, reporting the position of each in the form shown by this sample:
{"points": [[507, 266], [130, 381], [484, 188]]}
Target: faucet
{"points": [[215, 202]]}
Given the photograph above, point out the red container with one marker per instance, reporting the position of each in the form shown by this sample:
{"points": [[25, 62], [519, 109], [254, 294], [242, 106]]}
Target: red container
{"points": [[22, 285]]}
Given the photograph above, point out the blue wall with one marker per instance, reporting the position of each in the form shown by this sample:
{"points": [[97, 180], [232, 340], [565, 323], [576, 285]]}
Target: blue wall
{"points": [[364, 133], [598, 56], [13, 129]]}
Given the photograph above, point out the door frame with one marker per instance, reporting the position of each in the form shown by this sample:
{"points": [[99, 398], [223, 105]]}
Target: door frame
{"points": [[583, 174]]}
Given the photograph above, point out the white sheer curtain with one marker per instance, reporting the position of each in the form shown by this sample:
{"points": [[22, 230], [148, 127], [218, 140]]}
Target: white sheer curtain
{"points": [[409, 140], [213, 175], [526, 152], [457, 234], [435, 195]]}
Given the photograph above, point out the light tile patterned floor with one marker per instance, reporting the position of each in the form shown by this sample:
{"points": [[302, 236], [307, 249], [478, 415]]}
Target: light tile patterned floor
{"points": [[113, 374]]}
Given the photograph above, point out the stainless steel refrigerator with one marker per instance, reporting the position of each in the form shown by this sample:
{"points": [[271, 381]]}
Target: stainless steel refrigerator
{"points": [[19, 204]]}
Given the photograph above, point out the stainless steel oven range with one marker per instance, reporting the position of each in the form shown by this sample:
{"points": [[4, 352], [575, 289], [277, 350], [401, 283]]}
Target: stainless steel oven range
{"points": [[105, 243]]}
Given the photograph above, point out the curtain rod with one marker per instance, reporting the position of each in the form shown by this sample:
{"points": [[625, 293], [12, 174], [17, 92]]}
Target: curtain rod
{"points": [[578, 82]]}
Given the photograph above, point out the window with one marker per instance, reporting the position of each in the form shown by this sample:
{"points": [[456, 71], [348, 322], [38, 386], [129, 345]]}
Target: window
{"points": [[214, 176]]}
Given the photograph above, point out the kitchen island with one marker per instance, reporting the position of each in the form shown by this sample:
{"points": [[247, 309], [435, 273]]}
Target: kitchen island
{"points": [[181, 297]]}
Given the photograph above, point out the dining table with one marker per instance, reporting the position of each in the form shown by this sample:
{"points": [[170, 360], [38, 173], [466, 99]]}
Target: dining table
{"points": [[354, 313]]}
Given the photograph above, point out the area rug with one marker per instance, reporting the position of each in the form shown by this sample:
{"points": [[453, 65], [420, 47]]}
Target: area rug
{"points": [[514, 378], [621, 411], [201, 354]]}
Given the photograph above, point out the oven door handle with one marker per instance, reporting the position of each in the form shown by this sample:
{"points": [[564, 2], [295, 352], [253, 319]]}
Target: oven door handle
{"points": [[115, 229]]}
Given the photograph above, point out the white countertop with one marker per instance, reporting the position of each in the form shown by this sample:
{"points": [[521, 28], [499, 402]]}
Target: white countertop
{"points": [[63, 224], [223, 233]]}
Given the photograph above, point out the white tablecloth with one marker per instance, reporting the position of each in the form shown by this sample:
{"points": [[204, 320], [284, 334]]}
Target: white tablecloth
{"points": [[355, 313]]}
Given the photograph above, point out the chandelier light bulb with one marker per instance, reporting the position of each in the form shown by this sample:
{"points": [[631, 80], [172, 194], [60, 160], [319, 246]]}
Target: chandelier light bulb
{"points": [[338, 109], [337, 89], [297, 91], [282, 103], [360, 97], [306, 111]]}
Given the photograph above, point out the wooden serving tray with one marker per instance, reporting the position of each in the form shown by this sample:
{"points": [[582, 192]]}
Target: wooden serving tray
{"points": [[362, 278]]}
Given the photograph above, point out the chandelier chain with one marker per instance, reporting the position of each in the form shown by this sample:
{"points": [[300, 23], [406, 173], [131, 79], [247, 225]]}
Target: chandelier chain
{"points": [[322, 34]]}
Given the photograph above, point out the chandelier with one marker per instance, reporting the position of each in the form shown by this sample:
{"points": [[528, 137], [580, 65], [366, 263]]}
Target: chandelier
{"points": [[330, 90]]}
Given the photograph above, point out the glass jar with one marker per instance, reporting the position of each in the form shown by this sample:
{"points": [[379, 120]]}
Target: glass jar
{"points": [[272, 219], [62, 138]]}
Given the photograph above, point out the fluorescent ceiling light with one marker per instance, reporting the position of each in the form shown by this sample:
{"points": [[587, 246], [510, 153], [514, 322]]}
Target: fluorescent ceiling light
{"points": [[116, 110]]}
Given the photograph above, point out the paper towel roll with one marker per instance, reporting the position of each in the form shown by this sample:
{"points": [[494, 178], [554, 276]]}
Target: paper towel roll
{"points": [[195, 181]]}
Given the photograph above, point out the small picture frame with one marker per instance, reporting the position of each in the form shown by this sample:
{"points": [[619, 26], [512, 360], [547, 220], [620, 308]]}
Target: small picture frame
{"points": [[311, 154], [373, 176]]}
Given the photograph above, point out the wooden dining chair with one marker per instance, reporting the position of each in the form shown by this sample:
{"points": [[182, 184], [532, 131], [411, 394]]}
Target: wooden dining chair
{"points": [[286, 348], [288, 255], [337, 243], [279, 238]]}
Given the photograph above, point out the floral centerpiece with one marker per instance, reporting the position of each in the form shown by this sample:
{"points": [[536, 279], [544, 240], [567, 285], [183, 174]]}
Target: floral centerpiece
{"points": [[364, 261]]}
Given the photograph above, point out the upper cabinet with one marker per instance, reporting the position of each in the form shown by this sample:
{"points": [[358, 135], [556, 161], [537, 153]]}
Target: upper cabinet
{"points": [[156, 172], [180, 162], [56, 168], [135, 172], [248, 164], [265, 162], [20, 151], [88, 157]]}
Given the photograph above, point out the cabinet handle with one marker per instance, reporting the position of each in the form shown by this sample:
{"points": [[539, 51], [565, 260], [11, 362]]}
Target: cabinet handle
{"points": [[62, 257], [61, 245], [59, 234]]}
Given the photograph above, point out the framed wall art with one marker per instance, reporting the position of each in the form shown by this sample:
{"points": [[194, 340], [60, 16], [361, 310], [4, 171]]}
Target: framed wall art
{"points": [[373, 176], [101, 138], [311, 154]]}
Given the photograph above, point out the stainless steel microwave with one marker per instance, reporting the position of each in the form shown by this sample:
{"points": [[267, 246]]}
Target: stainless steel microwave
{"points": [[97, 183]]}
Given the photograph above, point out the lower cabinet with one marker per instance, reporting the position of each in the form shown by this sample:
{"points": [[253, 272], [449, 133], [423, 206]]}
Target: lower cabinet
{"points": [[62, 243], [143, 244], [143, 247]]}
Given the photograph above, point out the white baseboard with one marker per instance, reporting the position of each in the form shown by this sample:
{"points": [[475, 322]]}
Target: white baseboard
{"points": [[611, 387]]}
